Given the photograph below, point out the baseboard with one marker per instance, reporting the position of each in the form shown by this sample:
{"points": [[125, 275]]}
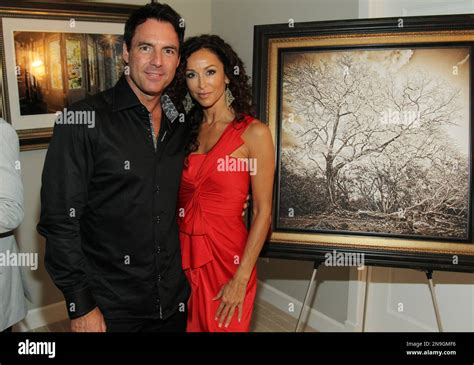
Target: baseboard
{"points": [[317, 320], [39, 317]]}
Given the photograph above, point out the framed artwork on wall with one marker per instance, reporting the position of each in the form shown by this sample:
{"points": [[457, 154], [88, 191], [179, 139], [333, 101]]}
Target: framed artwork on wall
{"points": [[53, 55], [372, 124]]}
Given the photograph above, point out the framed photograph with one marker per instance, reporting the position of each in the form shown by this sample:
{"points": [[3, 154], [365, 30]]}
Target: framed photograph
{"points": [[372, 124], [53, 55]]}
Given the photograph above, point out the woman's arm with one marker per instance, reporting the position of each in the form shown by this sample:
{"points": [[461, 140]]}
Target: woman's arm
{"points": [[259, 142], [261, 150]]}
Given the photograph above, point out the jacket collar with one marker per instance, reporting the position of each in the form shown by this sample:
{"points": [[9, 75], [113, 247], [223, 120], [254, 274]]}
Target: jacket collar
{"points": [[125, 98]]}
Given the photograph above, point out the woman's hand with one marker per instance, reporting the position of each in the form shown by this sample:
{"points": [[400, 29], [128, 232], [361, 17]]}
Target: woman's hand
{"points": [[233, 295]]}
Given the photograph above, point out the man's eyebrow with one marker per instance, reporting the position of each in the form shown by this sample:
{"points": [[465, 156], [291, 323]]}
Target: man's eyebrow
{"points": [[152, 44], [144, 43]]}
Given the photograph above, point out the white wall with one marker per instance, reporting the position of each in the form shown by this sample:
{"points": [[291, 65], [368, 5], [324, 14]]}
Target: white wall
{"points": [[392, 8], [234, 20], [196, 13], [400, 300]]}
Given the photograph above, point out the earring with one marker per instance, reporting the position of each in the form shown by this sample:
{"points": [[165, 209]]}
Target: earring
{"points": [[188, 103], [229, 98]]}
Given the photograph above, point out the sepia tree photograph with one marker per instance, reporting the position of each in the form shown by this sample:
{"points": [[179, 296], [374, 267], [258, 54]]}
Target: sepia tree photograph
{"points": [[375, 141]]}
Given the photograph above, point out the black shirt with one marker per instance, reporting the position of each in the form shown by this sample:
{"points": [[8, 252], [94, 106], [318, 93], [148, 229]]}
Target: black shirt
{"points": [[108, 207]]}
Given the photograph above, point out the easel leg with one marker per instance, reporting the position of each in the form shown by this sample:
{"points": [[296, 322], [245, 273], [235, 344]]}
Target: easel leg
{"points": [[366, 295], [306, 297], [429, 275]]}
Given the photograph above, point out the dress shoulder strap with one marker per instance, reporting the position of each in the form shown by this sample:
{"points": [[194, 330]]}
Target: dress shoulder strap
{"points": [[239, 126]]}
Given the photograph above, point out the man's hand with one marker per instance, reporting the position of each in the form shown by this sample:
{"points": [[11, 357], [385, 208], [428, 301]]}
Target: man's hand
{"points": [[90, 322], [246, 205]]}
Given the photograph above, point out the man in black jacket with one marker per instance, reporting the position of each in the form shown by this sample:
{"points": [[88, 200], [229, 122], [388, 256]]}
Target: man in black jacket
{"points": [[109, 190]]}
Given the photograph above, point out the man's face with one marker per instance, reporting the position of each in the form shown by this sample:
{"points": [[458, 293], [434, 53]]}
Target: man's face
{"points": [[153, 57]]}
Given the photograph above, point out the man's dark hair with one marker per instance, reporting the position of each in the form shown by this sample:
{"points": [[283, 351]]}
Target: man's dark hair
{"points": [[160, 12]]}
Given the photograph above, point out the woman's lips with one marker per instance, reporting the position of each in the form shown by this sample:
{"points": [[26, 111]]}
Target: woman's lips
{"points": [[203, 95]]}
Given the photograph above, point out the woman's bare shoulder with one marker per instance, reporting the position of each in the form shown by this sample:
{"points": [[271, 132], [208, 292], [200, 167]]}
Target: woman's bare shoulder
{"points": [[255, 131]]}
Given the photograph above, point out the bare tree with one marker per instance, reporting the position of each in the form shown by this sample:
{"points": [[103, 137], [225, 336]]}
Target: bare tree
{"points": [[347, 111]]}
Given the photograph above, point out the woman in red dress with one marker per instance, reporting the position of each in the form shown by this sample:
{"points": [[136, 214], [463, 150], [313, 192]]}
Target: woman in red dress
{"points": [[228, 151]]}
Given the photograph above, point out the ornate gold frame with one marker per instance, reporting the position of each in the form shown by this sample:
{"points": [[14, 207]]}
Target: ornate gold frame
{"points": [[269, 40]]}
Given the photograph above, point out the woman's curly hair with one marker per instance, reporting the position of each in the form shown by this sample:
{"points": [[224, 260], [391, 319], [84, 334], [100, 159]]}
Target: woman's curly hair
{"points": [[234, 70]]}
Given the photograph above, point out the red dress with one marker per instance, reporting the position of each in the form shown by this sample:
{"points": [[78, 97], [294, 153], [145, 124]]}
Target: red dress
{"points": [[213, 235]]}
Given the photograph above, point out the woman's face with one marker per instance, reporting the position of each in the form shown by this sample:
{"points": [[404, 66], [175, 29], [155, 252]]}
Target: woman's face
{"points": [[205, 78]]}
